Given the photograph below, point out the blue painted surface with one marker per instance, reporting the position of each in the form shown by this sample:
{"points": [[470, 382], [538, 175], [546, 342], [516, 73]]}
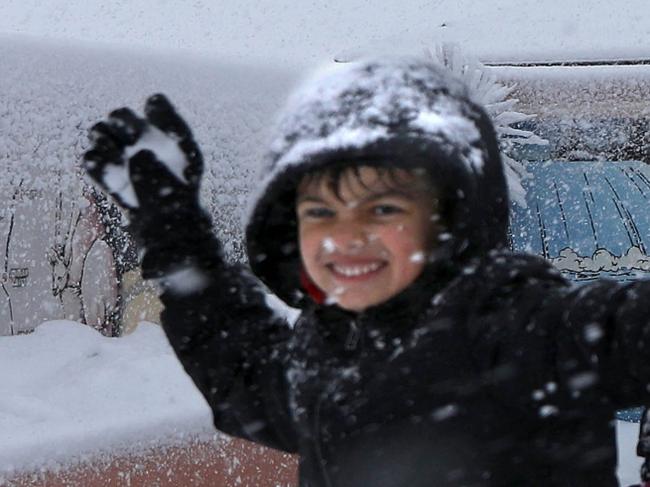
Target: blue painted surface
{"points": [[585, 206], [587, 210]]}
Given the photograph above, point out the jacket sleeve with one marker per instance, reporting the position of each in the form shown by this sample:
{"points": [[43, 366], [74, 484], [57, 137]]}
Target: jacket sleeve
{"points": [[544, 341], [609, 325], [228, 339]]}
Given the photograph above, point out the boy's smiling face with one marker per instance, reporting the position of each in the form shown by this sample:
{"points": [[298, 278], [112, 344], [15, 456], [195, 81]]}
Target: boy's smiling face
{"points": [[365, 237]]}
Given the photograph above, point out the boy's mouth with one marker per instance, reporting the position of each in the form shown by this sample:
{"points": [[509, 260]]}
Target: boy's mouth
{"points": [[356, 271]]}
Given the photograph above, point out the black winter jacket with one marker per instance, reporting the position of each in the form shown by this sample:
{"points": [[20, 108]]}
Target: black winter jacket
{"points": [[490, 369], [506, 377]]}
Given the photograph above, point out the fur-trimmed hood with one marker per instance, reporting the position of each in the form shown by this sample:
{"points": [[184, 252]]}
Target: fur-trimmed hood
{"points": [[407, 113]]}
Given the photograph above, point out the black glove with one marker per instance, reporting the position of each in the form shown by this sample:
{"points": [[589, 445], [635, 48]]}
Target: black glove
{"points": [[152, 168]]}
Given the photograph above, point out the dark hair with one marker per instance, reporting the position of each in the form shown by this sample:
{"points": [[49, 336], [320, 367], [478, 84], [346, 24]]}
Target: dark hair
{"points": [[392, 176]]}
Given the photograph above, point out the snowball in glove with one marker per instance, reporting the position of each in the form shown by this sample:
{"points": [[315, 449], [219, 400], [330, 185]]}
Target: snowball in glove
{"points": [[152, 168], [127, 150]]}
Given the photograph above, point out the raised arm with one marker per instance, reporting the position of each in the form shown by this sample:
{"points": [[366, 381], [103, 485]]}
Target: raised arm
{"points": [[230, 342]]}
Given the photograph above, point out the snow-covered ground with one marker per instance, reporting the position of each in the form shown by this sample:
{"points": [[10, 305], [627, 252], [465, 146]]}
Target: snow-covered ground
{"points": [[68, 393]]}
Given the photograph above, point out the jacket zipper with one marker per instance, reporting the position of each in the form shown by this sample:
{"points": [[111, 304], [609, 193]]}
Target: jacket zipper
{"points": [[351, 343], [352, 340], [317, 441]]}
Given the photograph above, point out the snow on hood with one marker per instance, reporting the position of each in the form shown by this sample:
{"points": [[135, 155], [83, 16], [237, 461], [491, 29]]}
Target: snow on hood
{"points": [[407, 112], [361, 103]]}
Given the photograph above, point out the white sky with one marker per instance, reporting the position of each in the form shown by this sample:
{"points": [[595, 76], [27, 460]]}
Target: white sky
{"points": [[305, 32]]}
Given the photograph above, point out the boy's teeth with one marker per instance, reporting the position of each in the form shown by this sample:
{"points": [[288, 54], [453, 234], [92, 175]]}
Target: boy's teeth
{"points": [[352, 271]]}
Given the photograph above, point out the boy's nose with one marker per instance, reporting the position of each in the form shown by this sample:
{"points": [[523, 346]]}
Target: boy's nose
{"points": [[350, 238]]}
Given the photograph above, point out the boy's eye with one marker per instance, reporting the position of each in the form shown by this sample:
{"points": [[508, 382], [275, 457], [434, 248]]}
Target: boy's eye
{"points": [[317, 212], [385, 210]]}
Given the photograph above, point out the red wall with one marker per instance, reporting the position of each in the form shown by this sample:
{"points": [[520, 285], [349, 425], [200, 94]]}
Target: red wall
{"points": [[236, 463]]}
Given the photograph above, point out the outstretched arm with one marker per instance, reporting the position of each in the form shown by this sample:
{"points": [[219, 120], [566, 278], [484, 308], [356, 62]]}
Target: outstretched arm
{"points": [[611, 323], [216, 317], [561, 345]]}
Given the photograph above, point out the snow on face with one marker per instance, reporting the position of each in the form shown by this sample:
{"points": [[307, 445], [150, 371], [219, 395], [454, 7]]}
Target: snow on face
{"points": [[329, 245], [417, 256]]}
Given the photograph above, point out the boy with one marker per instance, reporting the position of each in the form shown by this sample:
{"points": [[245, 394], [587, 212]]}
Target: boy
{"points": [[426, 354]]}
